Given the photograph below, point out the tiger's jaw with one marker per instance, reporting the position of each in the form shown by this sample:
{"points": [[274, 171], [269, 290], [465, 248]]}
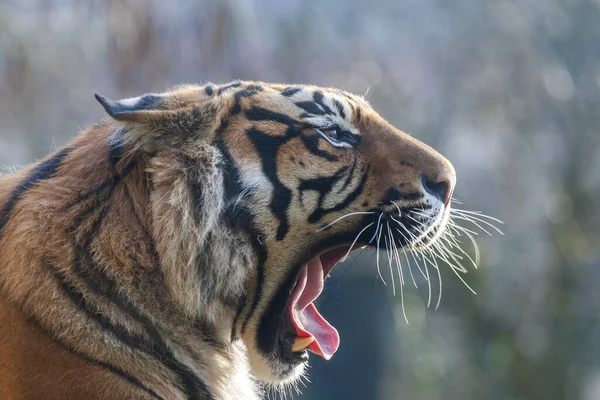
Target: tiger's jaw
{"points": [[291, 326]]}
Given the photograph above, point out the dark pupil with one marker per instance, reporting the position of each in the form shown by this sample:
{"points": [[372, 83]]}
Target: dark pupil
{"points": [[333, 134]]}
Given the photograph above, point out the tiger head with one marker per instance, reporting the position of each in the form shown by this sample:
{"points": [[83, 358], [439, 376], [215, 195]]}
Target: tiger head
{"points": [[265, 188]]}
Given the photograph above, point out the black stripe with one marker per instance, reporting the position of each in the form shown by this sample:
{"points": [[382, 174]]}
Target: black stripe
{"points": [[208, 89], [357, 114], [229, 86], [276, 314], [236, 108], [249, 91], [43, 171], [312, 144], [262, 114], [319, 213], [236, 214], [310, 107], [267, 147], [231, 174], [350, 175], [322, 185], [318, 98], [261, 253], [290, 91], [340, 108]]}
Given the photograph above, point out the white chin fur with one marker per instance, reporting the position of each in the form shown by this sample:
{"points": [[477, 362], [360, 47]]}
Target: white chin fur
{"points": [[272, 374]]}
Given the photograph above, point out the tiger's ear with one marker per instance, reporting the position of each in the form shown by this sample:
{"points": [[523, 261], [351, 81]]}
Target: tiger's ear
{"points": [[150, 125]]}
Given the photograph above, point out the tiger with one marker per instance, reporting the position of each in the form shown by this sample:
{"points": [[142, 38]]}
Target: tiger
{"points": [[175, 250]]}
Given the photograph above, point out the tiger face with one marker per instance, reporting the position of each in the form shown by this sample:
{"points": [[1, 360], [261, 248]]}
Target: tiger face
{"points": [[306, 175]]}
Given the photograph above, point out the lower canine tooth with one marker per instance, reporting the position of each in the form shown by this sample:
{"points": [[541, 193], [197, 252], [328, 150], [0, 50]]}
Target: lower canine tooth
{"points": [[302, 343]]}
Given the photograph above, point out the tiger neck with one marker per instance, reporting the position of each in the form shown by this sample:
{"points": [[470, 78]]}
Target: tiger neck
{"points": [[107, 233]]}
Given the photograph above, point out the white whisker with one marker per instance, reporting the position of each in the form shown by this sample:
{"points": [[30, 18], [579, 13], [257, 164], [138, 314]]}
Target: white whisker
{"points": [[379, 270], [376, 230], [401, 275], [398, 208], [473, 222], [406, 256], [389, 256], [479, 214], [433, 237], [453, 224], [344, 216], [355, 240], [454, 243], [472, 219]]}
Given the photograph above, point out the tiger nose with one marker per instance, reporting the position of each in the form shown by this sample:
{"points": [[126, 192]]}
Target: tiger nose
{"points": [[441, 187]]}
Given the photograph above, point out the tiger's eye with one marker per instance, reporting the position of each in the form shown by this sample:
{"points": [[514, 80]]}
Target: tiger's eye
{"points": [[332, 133]]}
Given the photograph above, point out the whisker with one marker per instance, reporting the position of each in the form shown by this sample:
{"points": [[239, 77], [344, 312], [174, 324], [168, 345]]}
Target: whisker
{"points": [[344, 216], [398, 264], [477, 213], [453, 224], [379, 270], [472, 220], [407, 241], [355, 240], [433, 237], [398, 208], [439, 274], [376, 230], [428, 283], [401, 275], [407, 261], [463, 281], [389, 256], [454, 243], [476, 248]]}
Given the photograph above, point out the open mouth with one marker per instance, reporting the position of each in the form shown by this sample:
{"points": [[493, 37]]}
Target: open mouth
{"points": [[308, 329], [302, 327]]}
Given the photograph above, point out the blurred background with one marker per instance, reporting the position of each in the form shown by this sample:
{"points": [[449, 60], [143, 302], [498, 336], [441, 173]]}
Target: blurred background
{"points": [[508, 90]]}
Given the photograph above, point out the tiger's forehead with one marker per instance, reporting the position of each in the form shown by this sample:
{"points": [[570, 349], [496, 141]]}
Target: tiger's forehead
{"points": [[316, 105]]}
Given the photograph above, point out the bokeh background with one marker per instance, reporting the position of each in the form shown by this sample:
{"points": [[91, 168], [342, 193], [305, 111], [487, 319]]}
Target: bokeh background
{"points": [[508, 90]]}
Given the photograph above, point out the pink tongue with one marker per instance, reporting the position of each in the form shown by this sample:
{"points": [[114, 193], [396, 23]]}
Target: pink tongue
{"points": [[304, 314]]}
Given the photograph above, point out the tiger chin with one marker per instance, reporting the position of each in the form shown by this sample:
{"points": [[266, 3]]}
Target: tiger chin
{"points": [[175, 250]]}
